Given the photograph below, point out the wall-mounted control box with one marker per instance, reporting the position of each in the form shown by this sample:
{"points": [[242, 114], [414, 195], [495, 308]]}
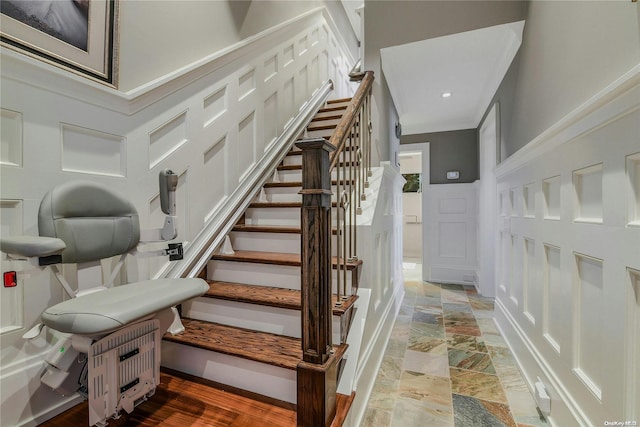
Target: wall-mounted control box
{"points": [[453, 175]]}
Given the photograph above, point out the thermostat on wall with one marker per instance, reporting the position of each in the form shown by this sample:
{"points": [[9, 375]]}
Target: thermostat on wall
{"points": [[453, 175]]}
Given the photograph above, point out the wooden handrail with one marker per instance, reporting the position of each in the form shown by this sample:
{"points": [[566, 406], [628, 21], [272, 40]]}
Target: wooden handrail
{"points": [[343, 129]]}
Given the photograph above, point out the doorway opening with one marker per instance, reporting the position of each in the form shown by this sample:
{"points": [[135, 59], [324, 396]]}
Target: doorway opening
{"points": [[414, 167]]}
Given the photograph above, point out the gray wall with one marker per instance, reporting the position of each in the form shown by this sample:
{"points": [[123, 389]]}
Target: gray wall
{"points": [[570, 51], [450, 151], [170, 34], [390, 23]]}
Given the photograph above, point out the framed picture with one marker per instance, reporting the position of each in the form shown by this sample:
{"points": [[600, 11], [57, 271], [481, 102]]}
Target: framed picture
{"points": [[78, 35]]}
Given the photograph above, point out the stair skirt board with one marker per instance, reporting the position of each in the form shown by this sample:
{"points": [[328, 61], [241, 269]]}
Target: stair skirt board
{"points": [[267, 380]]}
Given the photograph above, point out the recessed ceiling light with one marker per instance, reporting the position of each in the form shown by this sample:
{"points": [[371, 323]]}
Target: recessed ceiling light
{"points": [[446, 94]]}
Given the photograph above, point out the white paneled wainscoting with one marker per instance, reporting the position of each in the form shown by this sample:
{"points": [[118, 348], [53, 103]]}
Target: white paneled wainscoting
{"points": [[568, 297], [211, 123]]}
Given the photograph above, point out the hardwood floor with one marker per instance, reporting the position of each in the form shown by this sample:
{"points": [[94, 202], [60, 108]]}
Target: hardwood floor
{"points": [[179, 402]]}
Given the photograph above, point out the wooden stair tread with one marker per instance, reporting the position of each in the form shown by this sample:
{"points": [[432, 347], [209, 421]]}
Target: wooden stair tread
{"points": [[268, 296], [332, 108], [277, 258], [277, 350], [325, 118]]}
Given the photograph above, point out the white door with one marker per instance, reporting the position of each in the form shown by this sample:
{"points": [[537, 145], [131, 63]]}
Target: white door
{"points": [[451, 223], [487, 204]]}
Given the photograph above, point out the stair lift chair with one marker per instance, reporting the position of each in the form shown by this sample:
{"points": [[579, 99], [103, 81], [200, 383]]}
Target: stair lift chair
{"points": [[110, 346]]}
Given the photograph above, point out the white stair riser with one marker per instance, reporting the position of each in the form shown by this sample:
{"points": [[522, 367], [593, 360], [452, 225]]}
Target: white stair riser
{"points": [[290, 175], [265, 242], [292, 160], [273, 216], [268, 380], [271, 242], [279, 276], [287, 194], [274, 320], [283, 194]]}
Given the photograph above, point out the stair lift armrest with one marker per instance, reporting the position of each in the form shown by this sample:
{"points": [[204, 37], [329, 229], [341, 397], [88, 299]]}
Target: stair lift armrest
{"points": [[47, 249]]}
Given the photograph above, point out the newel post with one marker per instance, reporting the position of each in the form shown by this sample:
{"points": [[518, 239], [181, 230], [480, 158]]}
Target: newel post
{"points": [[316, 373]]}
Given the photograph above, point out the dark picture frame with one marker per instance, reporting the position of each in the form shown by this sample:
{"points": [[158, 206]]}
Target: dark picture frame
{"points": [[77, 35]]}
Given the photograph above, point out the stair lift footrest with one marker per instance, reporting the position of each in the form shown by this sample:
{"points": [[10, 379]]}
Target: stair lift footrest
{"points": [[124, 369]]}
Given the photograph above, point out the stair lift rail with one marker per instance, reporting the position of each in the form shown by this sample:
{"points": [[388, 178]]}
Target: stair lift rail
{"points": [[109, 349]]}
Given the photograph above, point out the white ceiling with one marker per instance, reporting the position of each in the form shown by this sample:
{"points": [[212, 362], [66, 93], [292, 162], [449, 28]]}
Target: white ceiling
{"points": [[470, 65]]}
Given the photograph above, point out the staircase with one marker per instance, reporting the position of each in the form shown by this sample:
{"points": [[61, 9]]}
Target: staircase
{"points": [[246, 332]]}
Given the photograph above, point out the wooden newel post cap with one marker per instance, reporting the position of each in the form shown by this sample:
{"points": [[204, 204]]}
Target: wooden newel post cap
{"points": [[315, 143]]}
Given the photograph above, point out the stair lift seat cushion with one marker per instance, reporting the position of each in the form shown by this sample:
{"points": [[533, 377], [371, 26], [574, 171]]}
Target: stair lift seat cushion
{"points": [[93, 221], [103, 312]]}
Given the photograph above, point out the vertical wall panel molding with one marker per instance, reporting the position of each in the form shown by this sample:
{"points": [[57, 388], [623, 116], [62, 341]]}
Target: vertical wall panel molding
{"points": [[551, 193], [10, 138], [633, 189], [578, 326], [588, 321], [554, 303], [11, 299], [532, 290], [215, 105], [633, 349]]}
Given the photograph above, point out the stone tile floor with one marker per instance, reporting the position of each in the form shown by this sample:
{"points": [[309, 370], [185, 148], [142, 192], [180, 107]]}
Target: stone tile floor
{"points": [[447, 365]]}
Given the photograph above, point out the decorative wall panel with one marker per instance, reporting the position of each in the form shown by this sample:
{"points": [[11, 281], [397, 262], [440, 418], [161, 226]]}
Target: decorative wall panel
{"points": [[92, 152], [551, 193], [532, 289], [246, 144], [270, 115], [270, 68], [10, 138], [587, 185], [590, 317], [554, 304], [215, 105], [633, 178], [247, 84], [452, 239], [167, 139], [529, 200], [11, 301], [215, 171]]}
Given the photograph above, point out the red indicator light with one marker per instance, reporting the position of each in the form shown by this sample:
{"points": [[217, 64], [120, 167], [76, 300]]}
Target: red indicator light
{"points": [[10, 279]]}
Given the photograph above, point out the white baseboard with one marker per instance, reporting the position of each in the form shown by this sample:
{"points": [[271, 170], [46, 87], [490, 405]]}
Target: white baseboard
{"points": [[564, 410]]}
